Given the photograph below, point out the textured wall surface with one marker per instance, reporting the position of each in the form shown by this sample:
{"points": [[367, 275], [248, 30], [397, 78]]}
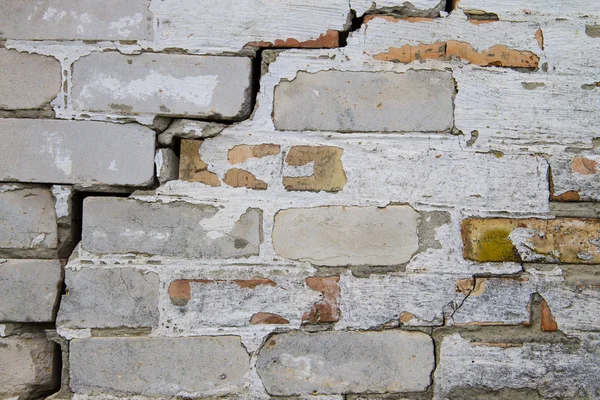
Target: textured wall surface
{"points": [[320, 200]]}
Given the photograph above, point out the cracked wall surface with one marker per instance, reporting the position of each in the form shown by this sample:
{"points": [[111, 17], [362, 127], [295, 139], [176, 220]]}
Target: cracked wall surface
{"points": [[335, 200]]}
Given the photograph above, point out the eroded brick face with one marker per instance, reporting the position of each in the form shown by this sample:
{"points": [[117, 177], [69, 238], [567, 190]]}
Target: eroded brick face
{"points": [[340, 199], [328, 174]]}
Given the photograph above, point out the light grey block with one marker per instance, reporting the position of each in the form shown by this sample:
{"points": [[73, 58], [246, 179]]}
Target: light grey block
{"points": [[187, 367], [29, 290], [76, 20], [27, 80], [339, 236], [163, 84], [76, 152], [27, 217], [109, 298], [419, 101], [179, 229], [346, 362], [26, 366]]}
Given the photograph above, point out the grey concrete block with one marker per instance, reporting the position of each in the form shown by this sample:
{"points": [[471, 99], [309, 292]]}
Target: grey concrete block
{"points": [[163, 84], [339, 236], [186, 367], [29, 290], [346, 362], [420, 101], [27, 215], [28, 80], [178, 229], [76, 20], [109, 298], [26, 366], [76, 152]]}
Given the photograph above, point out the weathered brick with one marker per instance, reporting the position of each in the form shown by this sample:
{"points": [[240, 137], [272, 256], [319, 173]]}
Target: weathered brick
{"points": [[29, 290], [365, 102], [199, 25], [327, 362], [26, 369], [76, 152], [347, 235], [109, 298], [81, 20], [179, 229], [243, 152], [28, 80], [426, 299], [27, 217], [575, 178], [241, 299], [188, 367], [566, 240], [568, 369], [163, 84]]}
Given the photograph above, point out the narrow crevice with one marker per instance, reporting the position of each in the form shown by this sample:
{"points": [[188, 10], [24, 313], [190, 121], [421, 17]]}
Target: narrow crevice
{"points": [[355, 23]]}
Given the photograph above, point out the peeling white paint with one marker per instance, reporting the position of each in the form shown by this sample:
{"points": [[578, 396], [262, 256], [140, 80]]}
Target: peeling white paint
{"points": [[62, 194]]}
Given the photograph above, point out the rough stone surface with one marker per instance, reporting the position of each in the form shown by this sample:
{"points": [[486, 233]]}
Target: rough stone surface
{"points": [[179, 229], [77, 152], [81, 20], [26, 369], [346, 362], [28, 80], [27, 217], [549, 368], [166, 163], [29, 290], [347, 235], [332, 101], [163, 84], [109, 298], [567, 240], [189, 367], [189, 129]]}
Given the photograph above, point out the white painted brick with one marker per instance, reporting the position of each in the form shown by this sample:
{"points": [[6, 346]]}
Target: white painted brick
{"points": [[164, 84], [529, 9], [76, 152], [80, 20], [202, 26], [28, 80], [190, 367], [381, 33], [29, 290]]}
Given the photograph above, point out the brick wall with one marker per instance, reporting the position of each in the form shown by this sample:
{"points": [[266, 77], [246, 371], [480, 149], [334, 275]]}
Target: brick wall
{"points": [[326, 200]]}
